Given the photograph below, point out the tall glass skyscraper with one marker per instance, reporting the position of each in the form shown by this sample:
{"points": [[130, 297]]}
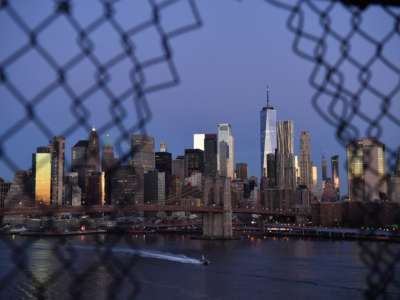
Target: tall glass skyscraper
{"points": [[267, 134], [226, 159], [41, 166]]}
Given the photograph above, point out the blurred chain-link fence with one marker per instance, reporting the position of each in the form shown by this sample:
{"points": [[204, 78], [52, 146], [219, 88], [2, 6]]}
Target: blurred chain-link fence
{"points": [[341, 80]]}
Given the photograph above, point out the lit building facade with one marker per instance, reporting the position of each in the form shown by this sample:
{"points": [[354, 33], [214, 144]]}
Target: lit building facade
{"points": [[226, 153], [267, 135], [41, 166], [305, 159], [366, 170], [198, 141], [285, 162], [335, 174]]}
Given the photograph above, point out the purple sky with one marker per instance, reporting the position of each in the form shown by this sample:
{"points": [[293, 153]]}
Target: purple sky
{"points": [[224, 68]]}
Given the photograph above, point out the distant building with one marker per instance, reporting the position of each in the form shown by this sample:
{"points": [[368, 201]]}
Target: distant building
{"points": [[21, 193], [72, 191], [108, 164], [335, 174], [305, 159], [4, 189], [271, 170], [93, 152], [267, 135], [194, 161], [142, 147], [164, 164], [57, 149], [127, 186], [178, 167], [41, 167], [286, 177], [79, 155], [366, 170], [241, 171], [314, 177], [324, 169], [226, 153], [154, 187], [198, 141], [95, 189], [163, 147], [210, 154]]}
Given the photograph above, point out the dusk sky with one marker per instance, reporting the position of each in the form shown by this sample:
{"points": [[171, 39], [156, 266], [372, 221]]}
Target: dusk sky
{"points": [[224, 68]]}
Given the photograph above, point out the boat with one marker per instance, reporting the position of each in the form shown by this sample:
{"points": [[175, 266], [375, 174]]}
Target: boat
{"points": [[17, 229], [204, 261]]}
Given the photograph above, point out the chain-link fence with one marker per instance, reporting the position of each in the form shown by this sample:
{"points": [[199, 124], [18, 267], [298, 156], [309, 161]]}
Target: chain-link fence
{"points": [[340, 78], [345, 81]]}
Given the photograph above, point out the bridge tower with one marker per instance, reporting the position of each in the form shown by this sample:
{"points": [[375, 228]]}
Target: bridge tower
{"points": [[217, 193]]}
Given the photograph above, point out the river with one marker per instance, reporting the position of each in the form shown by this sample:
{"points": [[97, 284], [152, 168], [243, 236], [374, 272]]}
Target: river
{"points": [[168, 267]]}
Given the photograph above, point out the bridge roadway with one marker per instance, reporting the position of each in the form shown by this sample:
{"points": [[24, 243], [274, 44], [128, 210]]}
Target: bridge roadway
{"points": [[43, 211]]}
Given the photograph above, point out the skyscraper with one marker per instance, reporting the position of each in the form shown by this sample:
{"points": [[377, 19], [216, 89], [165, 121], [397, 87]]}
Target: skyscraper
{"points": [[108, 165], [305, 159], [142, 147], [163, 147], [178, 167], [314, 177], [267, 134], [324, 168], [335, 173], [285, 170], [210, 154], [225, 161], [57, 148], [241, 171], [366, 170], [194, 161], [79, 155], [93, 152], [164, 165], [198, 141], [41, 166]]}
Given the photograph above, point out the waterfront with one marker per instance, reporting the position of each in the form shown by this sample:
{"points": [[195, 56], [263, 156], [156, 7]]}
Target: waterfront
{"points": [[273, 268]]}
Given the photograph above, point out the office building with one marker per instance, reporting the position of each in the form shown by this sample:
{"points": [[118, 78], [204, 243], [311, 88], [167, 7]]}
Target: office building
{"points": [[305, 159], [335, 174], [285, 163], [126, 186], [241, 171], [210, 154], [178, 167], [22, 189], [267, 134], [72, 191], [164, 164], [41, 167], [366, 170], [57, 149], [154, 187], [142, 148], [194, 161], [198, 141], [93, 152], [163, 147], [4, 189], [225, 150]]}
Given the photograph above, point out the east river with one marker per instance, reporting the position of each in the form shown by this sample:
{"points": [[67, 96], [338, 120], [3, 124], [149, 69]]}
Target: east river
{"points": [[168, 267]]}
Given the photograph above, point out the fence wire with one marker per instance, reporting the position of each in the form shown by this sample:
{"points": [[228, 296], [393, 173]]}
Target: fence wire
{"points": [[345, 83], [338, 99], [156, 21]]}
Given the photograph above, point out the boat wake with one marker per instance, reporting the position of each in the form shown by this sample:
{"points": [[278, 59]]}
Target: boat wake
{"points": [[179, 258]]}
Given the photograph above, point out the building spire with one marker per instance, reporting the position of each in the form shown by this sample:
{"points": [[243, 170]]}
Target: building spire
{"points": [[268, 95]]}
